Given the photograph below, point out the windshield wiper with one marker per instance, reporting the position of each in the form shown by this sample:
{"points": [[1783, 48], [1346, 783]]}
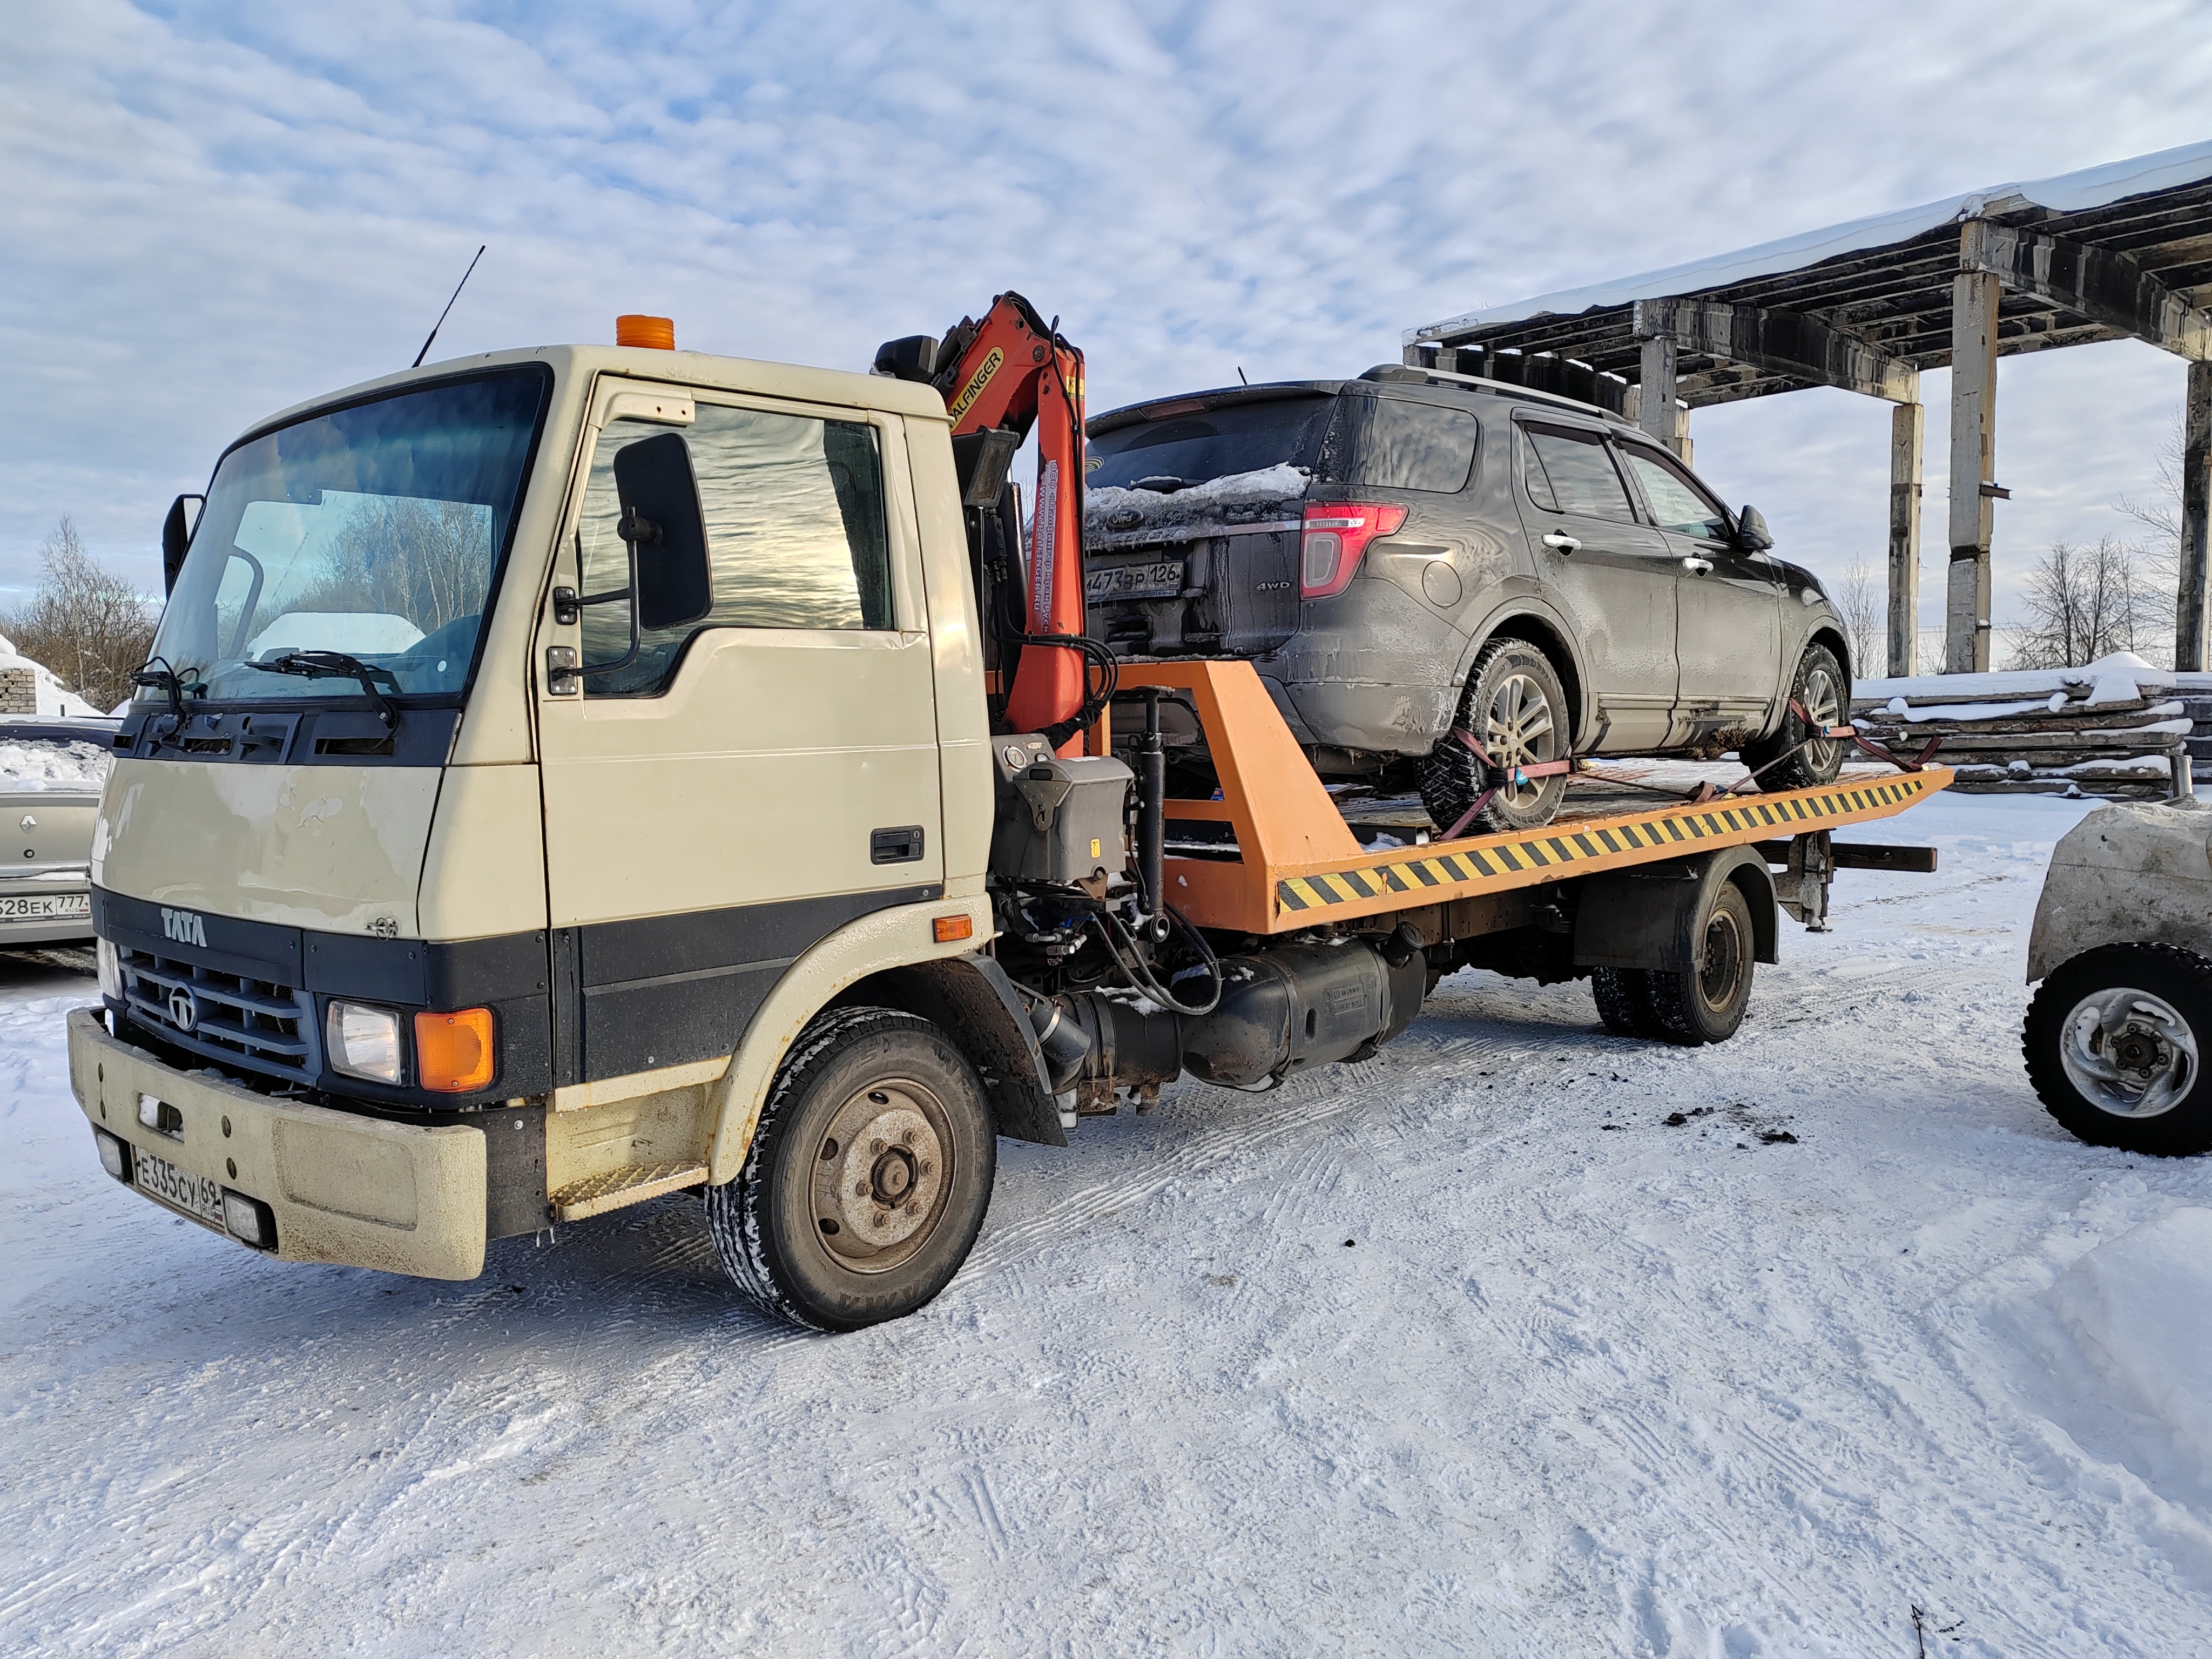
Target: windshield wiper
{"points": [[338, 665], [172, 681]]}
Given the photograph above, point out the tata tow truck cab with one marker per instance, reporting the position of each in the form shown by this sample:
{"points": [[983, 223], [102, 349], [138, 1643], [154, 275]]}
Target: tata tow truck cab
{"points": [[571, 776]]}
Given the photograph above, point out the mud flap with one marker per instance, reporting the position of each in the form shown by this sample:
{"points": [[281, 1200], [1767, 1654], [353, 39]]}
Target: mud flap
{"points": [[1652, 916]]}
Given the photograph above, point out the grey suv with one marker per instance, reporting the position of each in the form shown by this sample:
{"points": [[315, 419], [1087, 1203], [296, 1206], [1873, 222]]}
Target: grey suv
{"points": [[1415, 559]]}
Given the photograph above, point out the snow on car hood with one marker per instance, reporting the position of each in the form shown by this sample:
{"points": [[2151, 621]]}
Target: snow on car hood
{"points": [[1131, 518]]}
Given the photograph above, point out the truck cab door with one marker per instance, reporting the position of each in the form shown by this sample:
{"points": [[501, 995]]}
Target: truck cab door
{"points": [[721, 795], [1728, 630], [1612, 576]]}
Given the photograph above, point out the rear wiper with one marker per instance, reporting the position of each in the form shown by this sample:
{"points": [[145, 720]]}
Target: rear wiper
{"points": [[338, 665]]}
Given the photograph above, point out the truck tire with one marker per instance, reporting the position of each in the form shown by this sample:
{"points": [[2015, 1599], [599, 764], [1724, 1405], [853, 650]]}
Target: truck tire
{"points": [[2114, 1041], [1518, 710], [1623, 1002], [868, 1176], [1823, 690], [1695, 1005]]}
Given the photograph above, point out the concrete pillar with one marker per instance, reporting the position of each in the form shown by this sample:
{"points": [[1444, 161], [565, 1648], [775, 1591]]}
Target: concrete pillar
{"points": [[2191, 623], [1907, 423], [1655, 410], [1974, 295]]}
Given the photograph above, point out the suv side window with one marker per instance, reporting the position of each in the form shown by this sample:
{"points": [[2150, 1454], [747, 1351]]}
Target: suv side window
{"points": [[1677, 501], [1570, 471], [1405, 445], [796, 536]]}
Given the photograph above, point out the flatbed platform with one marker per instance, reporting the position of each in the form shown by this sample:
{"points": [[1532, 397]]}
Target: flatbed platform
{"points": [[1291, 859]]}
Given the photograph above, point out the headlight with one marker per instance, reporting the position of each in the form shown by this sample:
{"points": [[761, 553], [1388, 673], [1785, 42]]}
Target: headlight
{"points": [[111, 969], [365, 1042]]}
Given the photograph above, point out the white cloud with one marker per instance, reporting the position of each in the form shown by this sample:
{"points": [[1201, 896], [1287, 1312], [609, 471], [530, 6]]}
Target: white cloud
{"points": [[210, 211]]}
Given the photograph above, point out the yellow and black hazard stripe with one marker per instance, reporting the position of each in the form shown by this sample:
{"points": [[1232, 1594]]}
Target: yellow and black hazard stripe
{"points": [[1493, 859]]}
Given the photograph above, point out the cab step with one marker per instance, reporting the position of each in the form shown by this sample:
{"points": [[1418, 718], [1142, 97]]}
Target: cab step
{"points": [[632, 1184]]}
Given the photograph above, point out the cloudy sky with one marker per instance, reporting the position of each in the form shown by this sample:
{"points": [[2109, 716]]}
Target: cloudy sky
{"points": [[210, 211]]}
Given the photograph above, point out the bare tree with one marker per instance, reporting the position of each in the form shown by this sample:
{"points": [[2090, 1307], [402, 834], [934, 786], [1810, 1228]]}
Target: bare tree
{"points": [[2082, 603], [2159, 548], [1865, 612], [87, 624]]}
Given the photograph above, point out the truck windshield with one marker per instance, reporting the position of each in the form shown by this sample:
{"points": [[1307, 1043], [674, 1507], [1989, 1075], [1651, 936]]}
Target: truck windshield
{"points": [[374, 530]]}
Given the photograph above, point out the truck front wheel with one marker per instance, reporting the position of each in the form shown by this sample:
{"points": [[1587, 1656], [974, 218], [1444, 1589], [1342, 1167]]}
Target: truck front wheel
{"points": [[2114, 1041], [868, 1176]]}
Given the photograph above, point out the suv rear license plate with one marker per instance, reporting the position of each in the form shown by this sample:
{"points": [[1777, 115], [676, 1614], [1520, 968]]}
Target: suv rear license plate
{"points": [[159, 1178], [45, 906], [1160, 580]]}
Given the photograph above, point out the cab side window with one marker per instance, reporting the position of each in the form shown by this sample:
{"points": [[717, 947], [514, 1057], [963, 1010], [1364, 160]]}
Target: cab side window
{"points": [[796, 536], [1676, 501], [1570, 470]]}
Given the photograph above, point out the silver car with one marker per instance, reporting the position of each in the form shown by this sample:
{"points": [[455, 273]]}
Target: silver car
{"points": [[1441, 580], [51, 773]]}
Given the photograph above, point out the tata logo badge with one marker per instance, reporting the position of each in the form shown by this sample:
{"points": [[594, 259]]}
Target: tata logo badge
{"points": [[184, 1012], [184, 927]]}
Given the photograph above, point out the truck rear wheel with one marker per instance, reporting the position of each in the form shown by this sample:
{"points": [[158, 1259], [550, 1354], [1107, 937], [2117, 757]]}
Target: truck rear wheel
{"points": [[1705, 1003], [2114, 1041], [1517, 708], [868, 1177], [1623, 1002]]}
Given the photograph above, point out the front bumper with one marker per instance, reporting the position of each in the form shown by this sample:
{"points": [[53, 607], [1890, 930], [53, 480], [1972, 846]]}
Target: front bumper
{"points": [[361, 1191]]}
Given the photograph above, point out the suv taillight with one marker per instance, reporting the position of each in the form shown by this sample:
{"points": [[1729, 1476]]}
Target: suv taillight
{"points": [[1335, 534]]}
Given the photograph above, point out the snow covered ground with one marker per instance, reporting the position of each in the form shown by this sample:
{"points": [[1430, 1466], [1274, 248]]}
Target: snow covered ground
{"points": [[1467, 1350]]}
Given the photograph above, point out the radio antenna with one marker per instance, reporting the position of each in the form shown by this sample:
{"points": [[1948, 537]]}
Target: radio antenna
{"points": [[448, 311]]}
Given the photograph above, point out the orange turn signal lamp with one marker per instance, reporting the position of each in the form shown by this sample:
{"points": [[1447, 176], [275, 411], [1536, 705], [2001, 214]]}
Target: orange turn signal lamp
{"points": [[453, 1053], [950, 929], [653, 333]]}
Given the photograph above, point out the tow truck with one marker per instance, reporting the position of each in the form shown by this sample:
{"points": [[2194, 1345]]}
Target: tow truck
{"points": [[574, 775]]}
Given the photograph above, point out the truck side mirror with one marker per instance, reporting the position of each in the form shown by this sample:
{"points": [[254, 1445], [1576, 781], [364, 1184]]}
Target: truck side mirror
{"points": [[177, 540], [667, 532], [1751, 531]]}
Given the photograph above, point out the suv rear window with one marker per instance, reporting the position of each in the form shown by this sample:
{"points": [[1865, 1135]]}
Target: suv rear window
{"points": [[1214, 443]]}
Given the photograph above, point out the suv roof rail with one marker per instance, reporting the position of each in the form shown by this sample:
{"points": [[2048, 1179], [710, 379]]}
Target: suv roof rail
{"points": [[1405, 374]]}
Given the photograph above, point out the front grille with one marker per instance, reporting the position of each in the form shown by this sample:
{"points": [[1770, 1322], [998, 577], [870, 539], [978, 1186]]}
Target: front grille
{"points": [[256, 1023]]}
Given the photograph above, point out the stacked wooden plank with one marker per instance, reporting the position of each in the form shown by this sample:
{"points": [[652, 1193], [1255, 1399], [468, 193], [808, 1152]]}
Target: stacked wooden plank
{"points": [[2073, 734]]}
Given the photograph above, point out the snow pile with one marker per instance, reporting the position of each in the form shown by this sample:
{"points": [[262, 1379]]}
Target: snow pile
{"points": [[2141, 1306], [53, 697], [2121, 677], [1112, 515], [29, 768]]}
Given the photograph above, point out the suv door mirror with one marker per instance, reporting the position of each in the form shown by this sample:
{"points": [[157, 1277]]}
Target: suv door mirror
{"points": [[177, 540], [662, 522], [1751, 532]]}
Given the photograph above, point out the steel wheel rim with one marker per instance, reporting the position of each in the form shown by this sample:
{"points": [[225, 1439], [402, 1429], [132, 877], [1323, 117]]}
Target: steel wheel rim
{"points": [[1518, 730], [2127, 1053], [1823, 705], [1723, 962], [882, 1174]]}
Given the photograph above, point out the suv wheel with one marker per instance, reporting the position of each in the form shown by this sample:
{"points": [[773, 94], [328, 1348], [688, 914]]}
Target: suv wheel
{"points": [[1822, 689], [1516, 709]]}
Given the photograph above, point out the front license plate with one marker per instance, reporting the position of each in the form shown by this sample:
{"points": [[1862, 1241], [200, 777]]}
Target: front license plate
{"points": [[193, 1194], [1160, 580], [45, 907]]}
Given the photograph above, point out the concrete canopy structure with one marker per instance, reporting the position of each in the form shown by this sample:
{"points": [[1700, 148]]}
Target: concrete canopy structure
{"points": [[2119, 251]]}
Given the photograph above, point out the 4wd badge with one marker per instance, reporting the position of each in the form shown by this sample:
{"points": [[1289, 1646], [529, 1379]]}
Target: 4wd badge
{"points": [[184, 927]]}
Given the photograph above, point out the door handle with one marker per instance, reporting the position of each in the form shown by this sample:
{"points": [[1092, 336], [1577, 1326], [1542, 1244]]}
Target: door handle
{"points": [[1696, 566], [900, 845], [1559, 542]]}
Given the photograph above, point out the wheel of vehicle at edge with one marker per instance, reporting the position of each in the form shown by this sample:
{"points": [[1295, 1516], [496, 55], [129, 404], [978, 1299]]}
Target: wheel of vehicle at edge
{"points": [[1517, 708], [868, 1176], [1705, 1003], [2114, 1041], [1822, 689]]}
